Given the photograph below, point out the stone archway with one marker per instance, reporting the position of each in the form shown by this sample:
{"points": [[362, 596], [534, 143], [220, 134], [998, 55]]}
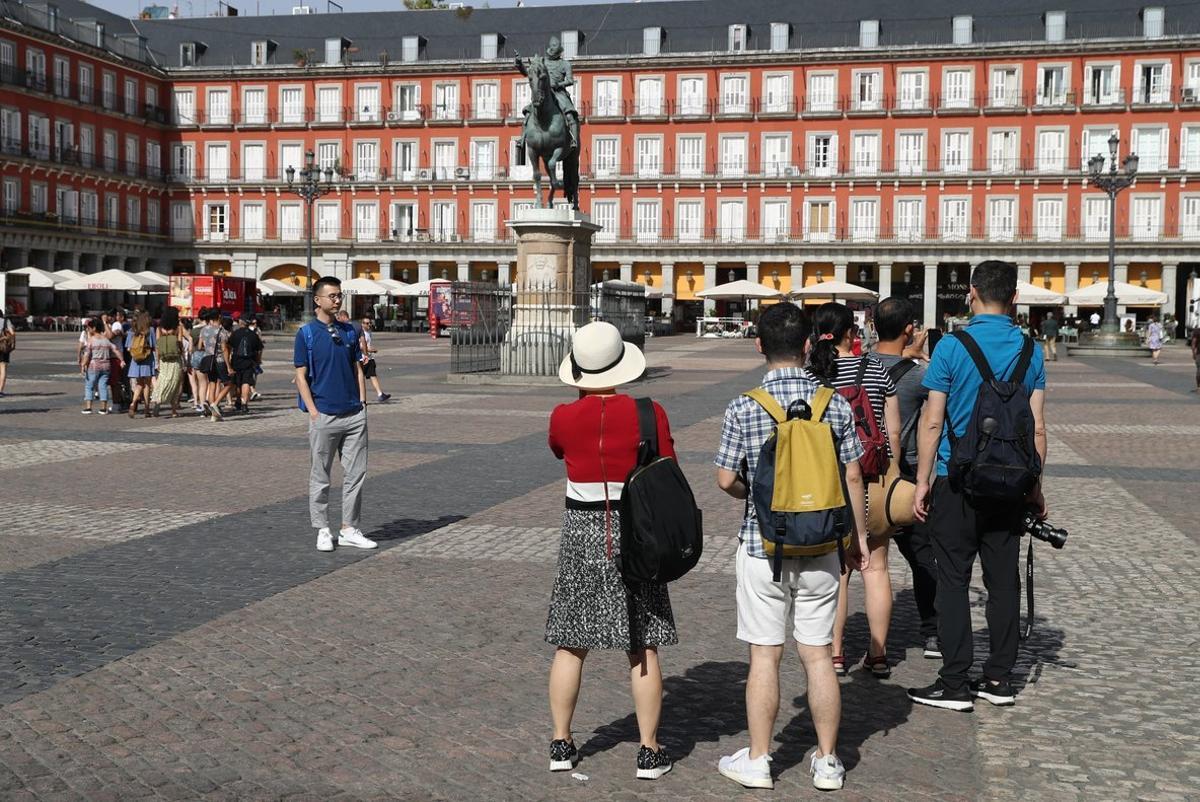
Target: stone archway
{"points": [[293, 274]]}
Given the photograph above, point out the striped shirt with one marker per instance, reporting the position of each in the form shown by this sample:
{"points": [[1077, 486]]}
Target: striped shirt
{"points": [[747, 427], [877, 381]]}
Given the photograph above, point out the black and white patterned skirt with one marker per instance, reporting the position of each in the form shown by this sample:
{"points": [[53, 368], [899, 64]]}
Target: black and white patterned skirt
{"points": [[591, 607]]}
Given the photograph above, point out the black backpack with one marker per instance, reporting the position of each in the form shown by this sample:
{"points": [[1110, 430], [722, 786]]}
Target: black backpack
{"points": [[906, 460], [661, 528], [996, 459]]}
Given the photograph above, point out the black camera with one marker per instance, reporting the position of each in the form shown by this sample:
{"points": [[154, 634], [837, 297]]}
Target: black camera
{"points": [[1044, 532]]}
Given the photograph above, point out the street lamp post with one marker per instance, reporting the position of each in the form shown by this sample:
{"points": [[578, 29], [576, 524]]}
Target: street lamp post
{"points": [[309, 188], [1112, 183]]}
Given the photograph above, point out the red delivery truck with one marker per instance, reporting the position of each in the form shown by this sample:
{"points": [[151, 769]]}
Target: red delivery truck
{"points": [[234, 296]]}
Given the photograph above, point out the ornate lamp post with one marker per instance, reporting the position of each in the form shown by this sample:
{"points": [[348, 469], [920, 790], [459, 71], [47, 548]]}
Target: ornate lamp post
{"points": [[1112, 183], [309, 188]]}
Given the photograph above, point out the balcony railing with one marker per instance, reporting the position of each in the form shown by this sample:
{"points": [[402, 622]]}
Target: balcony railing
{"points": [[114, 102], [24, 218], [74, 156]]}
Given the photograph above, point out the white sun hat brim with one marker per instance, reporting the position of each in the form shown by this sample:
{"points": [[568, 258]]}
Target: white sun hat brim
{"points": [[630, 368]]}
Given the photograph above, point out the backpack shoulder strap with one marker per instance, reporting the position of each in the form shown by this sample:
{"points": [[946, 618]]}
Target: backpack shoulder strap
{"points": [[820, 402], [767, 402], [862, 371], [900, 369], [1023, 361], [981, 363], [647, 425]]}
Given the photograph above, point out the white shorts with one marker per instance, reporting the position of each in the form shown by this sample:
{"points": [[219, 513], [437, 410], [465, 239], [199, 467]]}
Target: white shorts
{"points": [[810, 586]]}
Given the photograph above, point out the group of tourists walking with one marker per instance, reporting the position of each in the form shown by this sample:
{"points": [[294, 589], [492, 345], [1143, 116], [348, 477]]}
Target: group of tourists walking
{"points": [[896, 415], [131, 361]]}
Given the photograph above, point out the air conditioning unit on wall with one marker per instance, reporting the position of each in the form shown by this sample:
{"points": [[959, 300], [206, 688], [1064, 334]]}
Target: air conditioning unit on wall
{"points": [[393, 116]]}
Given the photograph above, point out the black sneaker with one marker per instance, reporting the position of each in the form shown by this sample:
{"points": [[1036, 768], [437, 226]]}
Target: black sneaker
{"points": [[651, 764], [938, 695], [384, 397], [933, 648], [563, 755], [999, 693]]}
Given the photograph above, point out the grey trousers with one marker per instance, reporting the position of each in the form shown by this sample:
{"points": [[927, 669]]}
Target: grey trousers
{"points": [[345, 436]]}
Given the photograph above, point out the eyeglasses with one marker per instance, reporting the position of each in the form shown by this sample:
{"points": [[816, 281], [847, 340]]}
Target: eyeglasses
{"points": [[333, 332], [333, 296]]}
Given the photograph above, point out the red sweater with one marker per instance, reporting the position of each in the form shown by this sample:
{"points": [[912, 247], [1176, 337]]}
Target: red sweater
{"points": [[598, 437]]}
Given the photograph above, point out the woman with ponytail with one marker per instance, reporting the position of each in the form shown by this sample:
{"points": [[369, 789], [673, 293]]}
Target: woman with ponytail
{"points": [[832, 362]]}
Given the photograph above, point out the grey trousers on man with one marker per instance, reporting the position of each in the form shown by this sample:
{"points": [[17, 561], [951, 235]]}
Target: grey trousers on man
{"points": [[344, 436]]}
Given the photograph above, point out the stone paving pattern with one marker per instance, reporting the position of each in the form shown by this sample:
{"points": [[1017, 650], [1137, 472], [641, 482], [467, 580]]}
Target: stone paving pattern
{"points": [[168, 631]]}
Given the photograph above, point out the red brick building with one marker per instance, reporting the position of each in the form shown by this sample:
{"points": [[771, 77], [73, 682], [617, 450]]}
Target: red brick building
{"points": [[888, 146]]}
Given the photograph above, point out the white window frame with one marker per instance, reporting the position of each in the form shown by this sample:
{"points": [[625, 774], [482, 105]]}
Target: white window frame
{"points": [[738, 40], [781, 34], [570, 43], [1009, 160], [962, 29], [1053, 96], [223, 114], [693, 165], [329, 103], [957, 162], [1047, 227], [410, 49], [1056, 26], [1144, 94], [864, 161], [367, 162], [366, 221], [1094, 211], [830, 166], [1000, 94], [864, 219], [366, 108], [485, 100], [249, 173], [407, 112], [735, 99], [411, 170], [907, 166], [956, 229], [775, 164], [606, 96], [915, 95], [1189, 216], [184, 112], [652, 41], [645, 106], [251, 233], [821, 101], [601, 210], [287, 210], [291, 113], [648, 150], [777, 99], [868, 33], [647, 215], [216, 221], [811, 235], [914, 232], [445, 100], [482, 167], [1047, 160], [1140, 135], [731, 224], [602, 165], [489, 46], [730, 166], [775, 228], [1113, 96], [483, 230], [250, 114], [1008, 216], [958, 87], [693, 231], [327, 225], [871, 81], [692, 91], [437, 147]]}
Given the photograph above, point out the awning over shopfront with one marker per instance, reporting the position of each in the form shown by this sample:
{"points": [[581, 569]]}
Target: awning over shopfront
{"points": [[1033, 295]]}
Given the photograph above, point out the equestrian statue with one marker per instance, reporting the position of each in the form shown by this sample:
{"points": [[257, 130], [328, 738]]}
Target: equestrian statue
{"points": [[551, 129]]}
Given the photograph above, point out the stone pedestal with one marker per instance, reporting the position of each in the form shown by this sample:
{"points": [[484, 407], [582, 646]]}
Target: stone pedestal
{"points": [[553, 276]]}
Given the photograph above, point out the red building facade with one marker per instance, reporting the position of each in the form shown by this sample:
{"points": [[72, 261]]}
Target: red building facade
{"points": [[895, 167]]}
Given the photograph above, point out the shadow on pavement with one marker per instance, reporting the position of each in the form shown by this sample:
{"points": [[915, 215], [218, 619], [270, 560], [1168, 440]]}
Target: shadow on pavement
{"points": [[705, 703], [402, 528]]}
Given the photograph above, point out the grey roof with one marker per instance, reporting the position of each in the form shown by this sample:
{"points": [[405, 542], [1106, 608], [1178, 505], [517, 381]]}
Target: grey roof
{"points": [[615, 29]]}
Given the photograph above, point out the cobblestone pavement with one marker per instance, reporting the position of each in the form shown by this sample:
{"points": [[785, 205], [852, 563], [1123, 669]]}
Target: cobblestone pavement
{"points": [[168, 631]]}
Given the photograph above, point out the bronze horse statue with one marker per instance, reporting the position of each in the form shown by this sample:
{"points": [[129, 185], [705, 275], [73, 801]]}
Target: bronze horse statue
{"points": [[547, 138]]}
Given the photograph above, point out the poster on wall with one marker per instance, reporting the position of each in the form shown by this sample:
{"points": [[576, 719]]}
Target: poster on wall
{"points": [[181, 294]]}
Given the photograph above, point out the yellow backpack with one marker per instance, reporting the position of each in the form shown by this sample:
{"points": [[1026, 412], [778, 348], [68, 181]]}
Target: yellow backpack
{"points": [[799, 492]]}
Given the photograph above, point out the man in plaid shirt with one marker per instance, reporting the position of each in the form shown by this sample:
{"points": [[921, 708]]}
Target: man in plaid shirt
{"points": [[810, 585]]}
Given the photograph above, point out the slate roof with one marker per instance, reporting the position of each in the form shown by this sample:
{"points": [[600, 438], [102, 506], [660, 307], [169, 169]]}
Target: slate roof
{"points": [[615, 29]]}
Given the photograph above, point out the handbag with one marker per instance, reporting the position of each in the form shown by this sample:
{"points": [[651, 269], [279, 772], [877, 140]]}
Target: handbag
{"points": [[889, 503], [208, 362]]}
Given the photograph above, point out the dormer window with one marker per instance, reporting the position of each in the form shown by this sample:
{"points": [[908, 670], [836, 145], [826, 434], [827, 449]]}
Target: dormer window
{"points": [[489, 46], [189, 53], [99, 34], [335, 50], [1153, 22], [570, 44], [410, 48], [963, 29], [652, 41], [868, 33], [737, 38], [261, 52], [1056, 26], [781, 34]]}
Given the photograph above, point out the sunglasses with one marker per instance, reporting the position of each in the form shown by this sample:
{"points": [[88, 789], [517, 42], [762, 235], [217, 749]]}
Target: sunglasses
{"points": [[333, 332]]}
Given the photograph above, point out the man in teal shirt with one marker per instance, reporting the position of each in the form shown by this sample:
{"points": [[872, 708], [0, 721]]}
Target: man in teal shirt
{"points": [[962, 528]]}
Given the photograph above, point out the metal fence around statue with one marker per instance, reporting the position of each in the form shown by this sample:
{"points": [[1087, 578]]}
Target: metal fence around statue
{"points": [[527, 331]]}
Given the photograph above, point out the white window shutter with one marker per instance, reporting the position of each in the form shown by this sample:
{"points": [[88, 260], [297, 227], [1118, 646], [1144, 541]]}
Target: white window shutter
{"points": [[835, 162], [1116, 82], [1041, 82], [1164, 148], [1165, 92]]}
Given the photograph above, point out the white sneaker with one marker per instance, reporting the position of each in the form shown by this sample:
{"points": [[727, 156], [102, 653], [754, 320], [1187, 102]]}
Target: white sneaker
{"points": [[324, 540], [750, 773], [827, 772], [355, 537]]}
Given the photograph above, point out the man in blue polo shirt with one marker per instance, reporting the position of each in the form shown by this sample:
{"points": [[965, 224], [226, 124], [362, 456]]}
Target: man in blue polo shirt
{"points": [[330, 380], [961, 527]]}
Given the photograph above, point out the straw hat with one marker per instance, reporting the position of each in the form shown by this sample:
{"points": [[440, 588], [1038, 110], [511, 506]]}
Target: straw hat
{"points": [[889, 504], [600, 359]]}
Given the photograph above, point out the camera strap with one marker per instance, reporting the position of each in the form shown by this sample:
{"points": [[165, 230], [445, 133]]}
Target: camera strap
{"points": [[1028, 629]]}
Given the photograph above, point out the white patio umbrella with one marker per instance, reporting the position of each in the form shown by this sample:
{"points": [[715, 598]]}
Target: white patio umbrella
{"points": [[38, 278], [393, 286], [736, 290], [363, 286], [1127, 295], [270, 286], [153, 279], [1033, 295], [835, 291], [64, 273], [420, 289], [111, 281]]}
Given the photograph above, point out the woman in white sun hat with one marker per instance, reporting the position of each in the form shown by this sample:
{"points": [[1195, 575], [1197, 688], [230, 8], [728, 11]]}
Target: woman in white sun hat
{"points": [[591, 607]]}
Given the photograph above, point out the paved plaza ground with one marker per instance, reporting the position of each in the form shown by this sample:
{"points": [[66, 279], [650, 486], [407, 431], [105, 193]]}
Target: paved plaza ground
{"points": [[169, 631]]}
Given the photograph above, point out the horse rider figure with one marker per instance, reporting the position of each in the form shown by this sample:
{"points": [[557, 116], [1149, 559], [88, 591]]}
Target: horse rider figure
{"points": [[559, 70]]}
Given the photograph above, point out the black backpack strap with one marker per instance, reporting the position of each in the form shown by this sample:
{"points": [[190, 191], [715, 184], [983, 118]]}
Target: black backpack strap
{"points": [[900, 369], [862, 372], [981, 363], [647, 427], [1023, 361]]}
